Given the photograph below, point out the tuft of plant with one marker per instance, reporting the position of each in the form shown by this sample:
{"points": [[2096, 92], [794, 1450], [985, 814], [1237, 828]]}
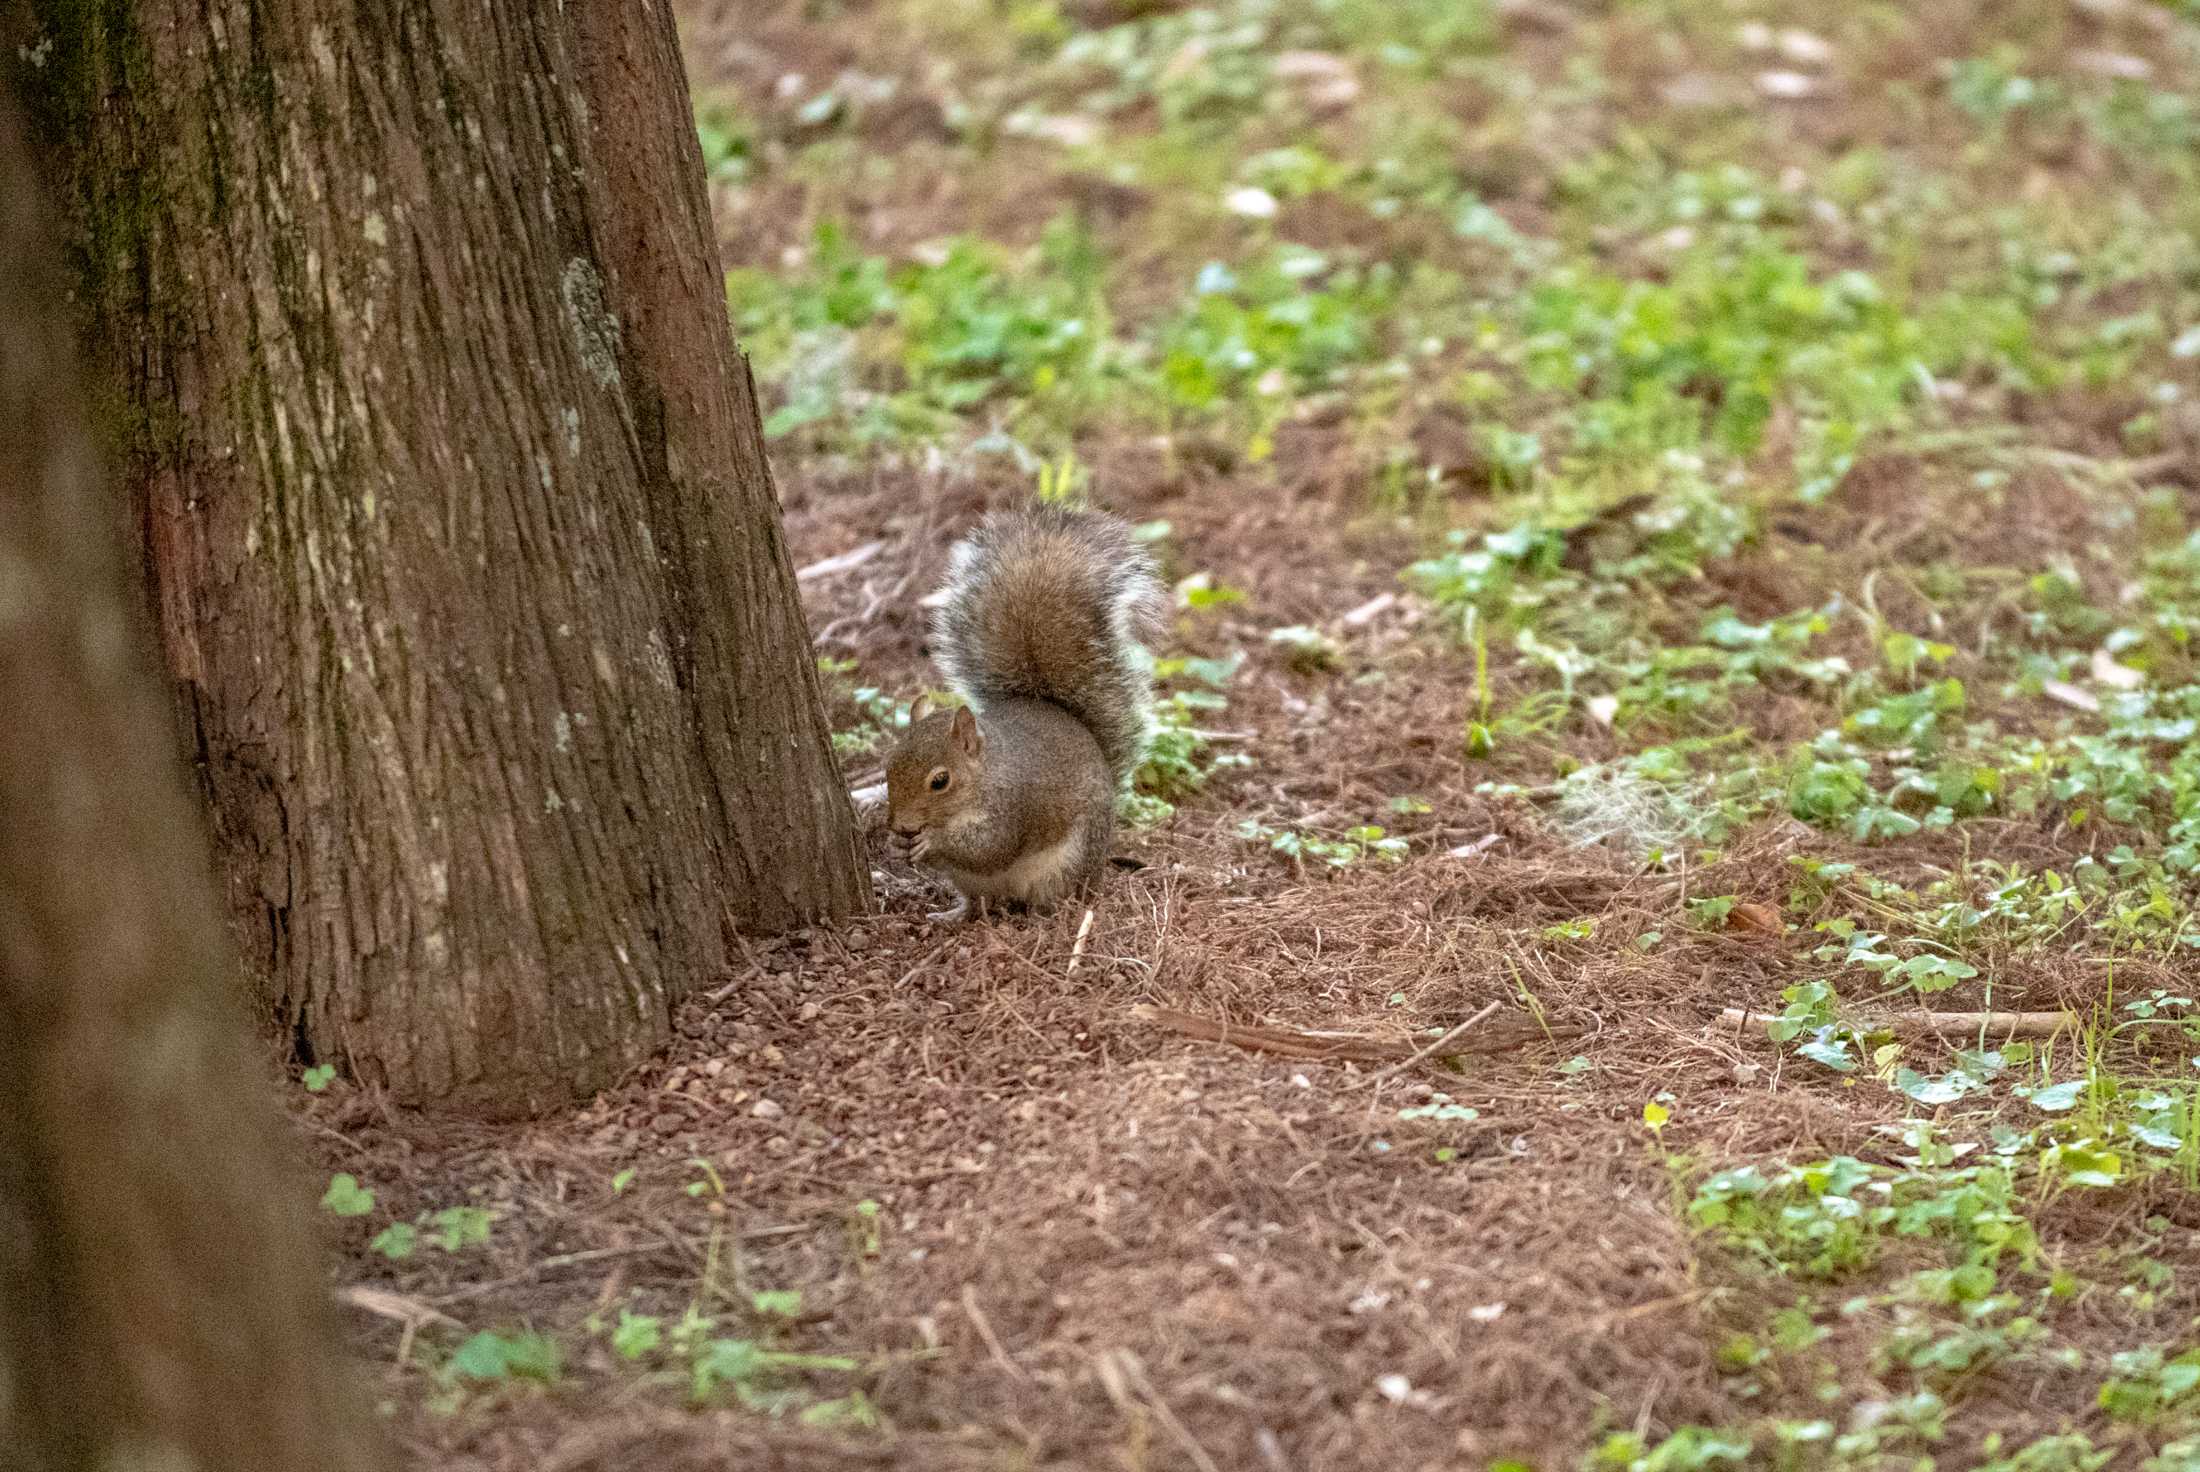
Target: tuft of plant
{"points": [[1334, 850]]}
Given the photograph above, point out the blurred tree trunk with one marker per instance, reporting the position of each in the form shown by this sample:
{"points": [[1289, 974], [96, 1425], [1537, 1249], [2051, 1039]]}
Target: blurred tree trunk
{"points": [[159, 1302], [460, 541]]}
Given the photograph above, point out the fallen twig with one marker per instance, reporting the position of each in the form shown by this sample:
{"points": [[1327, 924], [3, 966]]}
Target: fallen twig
{"points": [[548, 1265], [1124, 1379], [840, 562], [383, 1304], [1283, 1042], [411, 1314], [1914, 1024], [1432, 1049], [1369, 611], [984, 1326], [1077, 950], [1340, 1047]]}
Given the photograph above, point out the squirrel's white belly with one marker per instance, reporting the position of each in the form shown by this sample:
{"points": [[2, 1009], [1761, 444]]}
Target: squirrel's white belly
{"points": [[1035, 878]]}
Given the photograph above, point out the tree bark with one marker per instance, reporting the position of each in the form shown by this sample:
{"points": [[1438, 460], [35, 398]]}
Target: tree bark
{"points": [[159, 1301], [458, 534]]}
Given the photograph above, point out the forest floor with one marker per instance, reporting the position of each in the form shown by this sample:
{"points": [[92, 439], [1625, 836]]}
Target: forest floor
{"points": [[1673, 508]]}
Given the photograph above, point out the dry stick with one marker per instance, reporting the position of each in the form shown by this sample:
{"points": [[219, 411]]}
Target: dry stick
{"points": [[1283, 1042], [1655, 1305], [547, 1265], [854, 557], [1125, 1381], [411, 1313], [387, 1305], [601, 1254], [1432, 1049], [1369, 611], [1176, 1428], [2006, 1024], [1327, 1047], [992, 1340], [873, 602], [1077, 950], [928, 958]]}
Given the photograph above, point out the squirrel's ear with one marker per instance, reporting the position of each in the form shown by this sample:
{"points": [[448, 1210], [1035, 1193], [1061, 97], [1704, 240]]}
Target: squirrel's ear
{"points": [[965, 731], [921, 709]]}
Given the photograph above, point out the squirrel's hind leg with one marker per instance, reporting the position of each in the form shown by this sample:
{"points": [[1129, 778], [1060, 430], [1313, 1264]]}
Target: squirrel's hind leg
{"points": [[1093, 862], [1081, 882]]}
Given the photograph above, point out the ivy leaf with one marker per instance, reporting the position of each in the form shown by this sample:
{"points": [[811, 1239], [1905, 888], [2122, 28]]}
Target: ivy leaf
{"points": [[2084, 1163], [1809, 1005], [397, 1241], [459, 1227], [636, 1335], [2155, 1134], [782, 1303], [2055, 1098], [721, 1361], [493, 1356], [1935, 973], [1832, 1052], [1946, 1089], [346, 1197]]}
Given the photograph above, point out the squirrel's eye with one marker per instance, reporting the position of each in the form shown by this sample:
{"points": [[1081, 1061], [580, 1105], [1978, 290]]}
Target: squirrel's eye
{"points": [[940, 779]]}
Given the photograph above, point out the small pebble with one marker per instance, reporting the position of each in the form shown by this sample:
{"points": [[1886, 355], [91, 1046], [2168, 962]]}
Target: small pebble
{"points": [[766, 1109]]}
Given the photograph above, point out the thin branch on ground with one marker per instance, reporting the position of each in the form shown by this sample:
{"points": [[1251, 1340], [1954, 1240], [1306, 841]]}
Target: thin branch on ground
{"points": [[1433, 1049]]}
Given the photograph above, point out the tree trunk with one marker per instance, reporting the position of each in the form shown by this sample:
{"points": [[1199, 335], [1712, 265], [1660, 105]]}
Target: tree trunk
{"points": [[159, 1301], [458, 533]]}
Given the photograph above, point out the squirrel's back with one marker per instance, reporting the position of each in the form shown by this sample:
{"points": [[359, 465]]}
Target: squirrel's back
{"points": [[1050, 604]]}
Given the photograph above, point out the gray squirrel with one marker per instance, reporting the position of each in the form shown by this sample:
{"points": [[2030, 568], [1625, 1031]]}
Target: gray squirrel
{"points": [[1011, 795]]}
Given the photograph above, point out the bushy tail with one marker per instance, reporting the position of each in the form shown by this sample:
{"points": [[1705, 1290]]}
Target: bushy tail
{"points": [[1052, 604]]}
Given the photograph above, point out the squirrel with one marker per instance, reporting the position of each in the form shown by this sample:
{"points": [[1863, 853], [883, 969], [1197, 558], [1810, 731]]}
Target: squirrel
{"points": [[1011, 795]]}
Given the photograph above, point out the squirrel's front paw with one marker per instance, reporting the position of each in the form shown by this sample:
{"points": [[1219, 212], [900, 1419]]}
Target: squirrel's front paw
{"points": [[920, 850]]}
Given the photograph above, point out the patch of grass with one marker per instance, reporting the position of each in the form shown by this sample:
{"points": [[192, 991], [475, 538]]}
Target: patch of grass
{"points": [[888, 353]]}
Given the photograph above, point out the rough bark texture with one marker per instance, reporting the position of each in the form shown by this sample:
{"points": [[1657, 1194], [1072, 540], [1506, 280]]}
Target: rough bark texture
{"points": [[460, 542], [695, 409], [159, 1302]]}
